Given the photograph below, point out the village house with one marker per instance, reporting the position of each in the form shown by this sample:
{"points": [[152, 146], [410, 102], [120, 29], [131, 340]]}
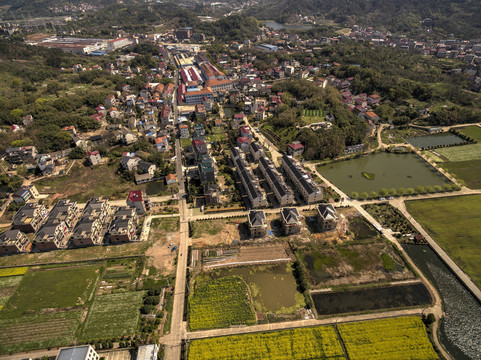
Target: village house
{"points": [[129, 161], [139, 200], [291, 223], [29, 218], [257, 223], [14, 241], [123, 226], [326, 217], [171, 179], [25, 193], [94, 157], [303, 183], [89, 229], [54, 232], [211, 194], [283, 194], [184, 131], [161, 143], [256, 150], [295, 149]]}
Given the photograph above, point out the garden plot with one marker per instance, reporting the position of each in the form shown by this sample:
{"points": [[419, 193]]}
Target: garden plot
{"points": [[113, 315]]}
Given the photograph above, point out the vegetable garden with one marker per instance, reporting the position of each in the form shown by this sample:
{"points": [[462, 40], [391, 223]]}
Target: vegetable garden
{"points": [[220, 303], [113, 315]]}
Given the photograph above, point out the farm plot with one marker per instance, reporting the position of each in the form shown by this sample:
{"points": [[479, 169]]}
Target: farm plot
{"points": [[468, 171], [220, 303], [296, 344], [397, 338], [453, 222], [113, 315], [56, 288], [13, 271], [8, 285], [38, 331]]}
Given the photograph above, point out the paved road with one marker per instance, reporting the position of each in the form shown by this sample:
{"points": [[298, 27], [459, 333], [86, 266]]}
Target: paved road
{"points": [[173, 345], [299, 323]]}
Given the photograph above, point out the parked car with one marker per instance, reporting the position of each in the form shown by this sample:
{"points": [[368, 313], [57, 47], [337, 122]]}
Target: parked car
{"points": [[171, 244], [173, 249]]}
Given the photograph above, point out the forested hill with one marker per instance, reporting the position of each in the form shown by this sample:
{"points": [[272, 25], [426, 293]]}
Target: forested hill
{"points": [[459, 17]]}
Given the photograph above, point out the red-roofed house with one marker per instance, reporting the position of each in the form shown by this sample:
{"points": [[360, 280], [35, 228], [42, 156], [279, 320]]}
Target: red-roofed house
{"points": [[295, 148], [371, 116], [374, 99], [161, 143], [170, 179], [243, 143], [138, 200], [94, 157]]}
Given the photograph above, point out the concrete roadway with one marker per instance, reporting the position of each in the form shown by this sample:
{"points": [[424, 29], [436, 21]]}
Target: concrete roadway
{"points": [[173, 345]]}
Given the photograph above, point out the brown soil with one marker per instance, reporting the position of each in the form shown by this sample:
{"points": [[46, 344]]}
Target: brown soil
{"points": [[159, 254]]}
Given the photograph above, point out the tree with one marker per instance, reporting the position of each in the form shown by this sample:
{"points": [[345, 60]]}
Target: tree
{"points": [[363, 195], [374, 195], [383, 192], [354, 195], [77, 153], [409, 191], [401, 191], [447, 187], [420, 189], [429, 189], [392, 192]]}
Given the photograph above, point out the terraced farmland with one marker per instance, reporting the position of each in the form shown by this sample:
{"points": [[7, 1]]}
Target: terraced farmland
{"points": [[393, 339], [220, 303], [297, 344]]}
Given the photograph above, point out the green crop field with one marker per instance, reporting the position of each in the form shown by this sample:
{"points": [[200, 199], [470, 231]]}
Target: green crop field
{"points": [[220, 303], [393, 339], [52, 288], [296, 344], [468, 171], [113, 315], [461, 153], [472, 131], [453, 222], [314, 113], [38, 331]]}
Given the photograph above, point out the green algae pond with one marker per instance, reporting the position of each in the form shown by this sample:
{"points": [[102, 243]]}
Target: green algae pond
{"points": [[385, 170], [273, 287]]}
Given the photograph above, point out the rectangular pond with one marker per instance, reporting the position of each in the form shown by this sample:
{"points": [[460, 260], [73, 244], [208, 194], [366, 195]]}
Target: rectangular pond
{"points": [[385, 170], [435, 140], [273, 287], [377, 298]]}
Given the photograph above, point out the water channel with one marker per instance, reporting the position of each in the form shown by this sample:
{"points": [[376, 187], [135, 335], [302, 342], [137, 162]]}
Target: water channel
{"points": [[460, 330]]}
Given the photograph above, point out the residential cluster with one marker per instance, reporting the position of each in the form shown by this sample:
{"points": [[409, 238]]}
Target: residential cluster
{"points": [[67, 225], [326, 220]]}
